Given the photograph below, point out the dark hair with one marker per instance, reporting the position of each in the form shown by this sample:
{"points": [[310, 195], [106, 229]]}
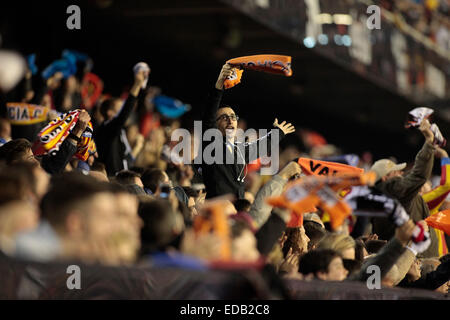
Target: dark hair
{"points": [[135, 189], [317, 261], [159, 220], [14, 150], [151, 178], [373, 246], [352, 266], [66, 191], [98, 166], [116, 188], [293, 238], [444, 258], [138, 170], [190, 192], [359, 250], [15, 184], [107, 105], [242, 205], [315, 233], [127, 177]]}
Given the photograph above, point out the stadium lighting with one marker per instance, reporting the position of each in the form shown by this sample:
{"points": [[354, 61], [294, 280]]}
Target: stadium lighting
{"points": [[338, 39], [347, 40], [309, 42], [323, 39]]}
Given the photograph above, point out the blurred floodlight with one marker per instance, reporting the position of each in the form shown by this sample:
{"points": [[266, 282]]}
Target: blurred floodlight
{"points": [[324, 18], [309, 42], [263, 3], [323, 39], [338, 39], [346, 40], [345, 19], [12, 69]]}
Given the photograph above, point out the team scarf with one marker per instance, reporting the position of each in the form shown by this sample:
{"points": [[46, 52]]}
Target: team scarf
{"points": [[271, 63], [306, 194], [53, 135], [214, 220], [23, 114], [415, 118], [327, 168], [440, 221]]}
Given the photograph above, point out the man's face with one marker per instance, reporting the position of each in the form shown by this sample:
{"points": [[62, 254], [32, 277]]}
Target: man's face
{"points": [[138, 182], [304, 240], [129, 226], [191, 206], [226, 122], [114, 110], [414, 271], [393, 174], [101, 216], [29, 156], [336, 271], [42, 182]]}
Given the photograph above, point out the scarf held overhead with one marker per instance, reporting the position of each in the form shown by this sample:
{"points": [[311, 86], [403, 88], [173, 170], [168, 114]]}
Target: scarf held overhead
{"points": [[307, 193], [440, 220], [327, 168], [51, 136], [270, 63]]}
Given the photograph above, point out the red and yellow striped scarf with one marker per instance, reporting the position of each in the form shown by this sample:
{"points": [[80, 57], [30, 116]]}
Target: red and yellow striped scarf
{"points": [[52, 135]]}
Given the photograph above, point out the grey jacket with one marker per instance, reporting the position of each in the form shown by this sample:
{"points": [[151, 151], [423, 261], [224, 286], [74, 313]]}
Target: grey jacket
{"points": [[260, 210], [406, 190]]}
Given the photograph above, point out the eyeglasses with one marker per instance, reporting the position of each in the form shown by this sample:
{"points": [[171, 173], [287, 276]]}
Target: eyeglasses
{"points": [[226, 117]]}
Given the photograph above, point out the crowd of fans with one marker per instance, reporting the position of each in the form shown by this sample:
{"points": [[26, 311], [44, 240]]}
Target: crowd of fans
{"points": [[428, 17], [130, 204]]}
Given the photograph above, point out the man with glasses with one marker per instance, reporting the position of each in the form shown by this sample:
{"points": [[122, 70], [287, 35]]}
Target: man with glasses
{"points": [[228, 178]]}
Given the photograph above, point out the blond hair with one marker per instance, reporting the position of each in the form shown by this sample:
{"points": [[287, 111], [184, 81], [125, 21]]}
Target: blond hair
{"points": [[337, 242]]}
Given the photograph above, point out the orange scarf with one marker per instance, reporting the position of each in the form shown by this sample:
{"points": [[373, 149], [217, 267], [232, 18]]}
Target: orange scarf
{"points": [[320, 167], [440, 221], [215, 220], [270, 63], [306, 194]]}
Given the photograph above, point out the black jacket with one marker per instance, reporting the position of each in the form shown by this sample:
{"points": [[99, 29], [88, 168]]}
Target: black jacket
{"points": [[110, 148], [56, 163], [223, 178], [432, 280]]}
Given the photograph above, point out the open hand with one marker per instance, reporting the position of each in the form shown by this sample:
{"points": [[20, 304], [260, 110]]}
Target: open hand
{"points": [[285, 127]]}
